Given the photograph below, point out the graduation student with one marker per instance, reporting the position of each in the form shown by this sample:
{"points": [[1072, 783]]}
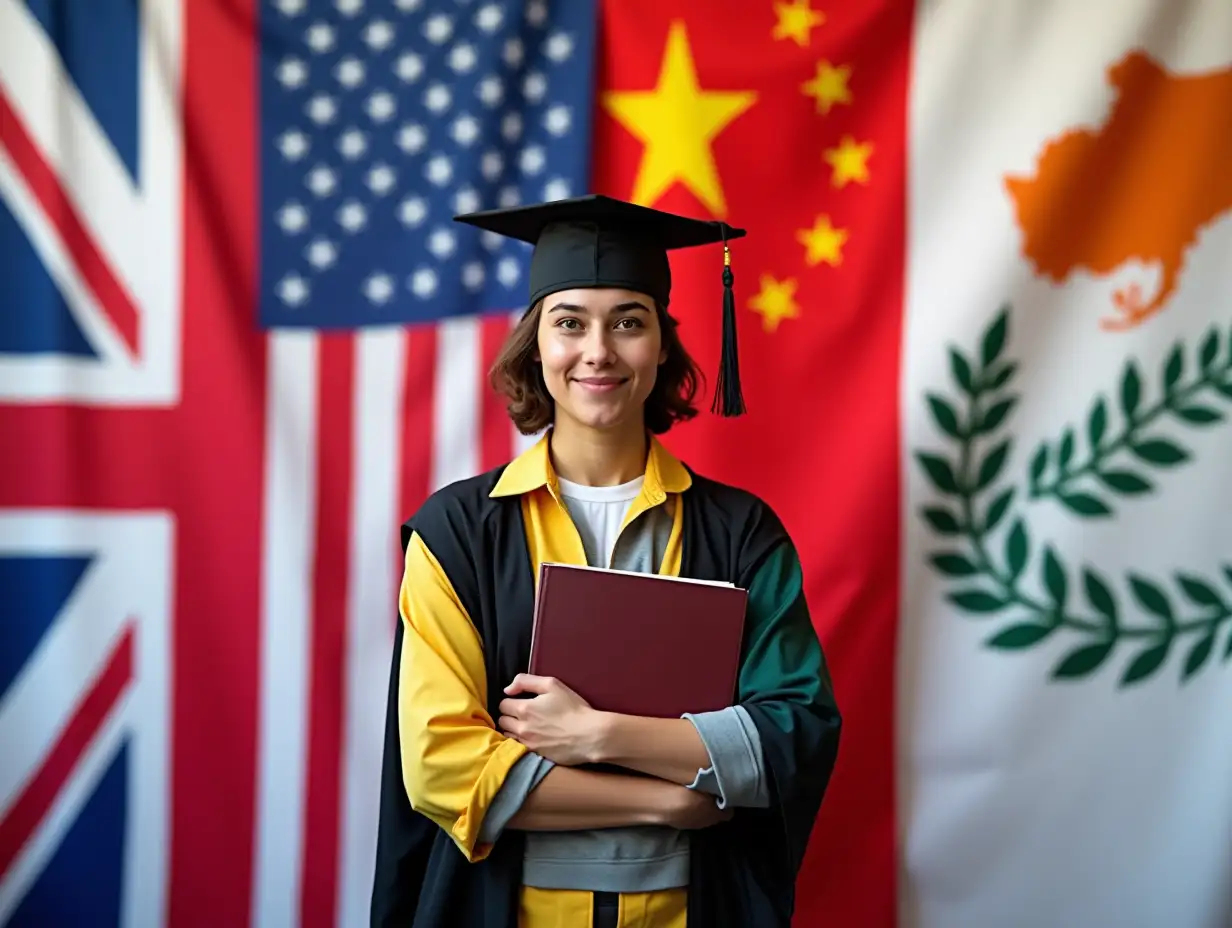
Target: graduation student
{"points": [[504, 802]]}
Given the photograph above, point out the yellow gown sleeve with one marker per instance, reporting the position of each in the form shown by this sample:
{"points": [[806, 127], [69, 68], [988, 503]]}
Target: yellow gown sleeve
{"points": [[453, 758]]}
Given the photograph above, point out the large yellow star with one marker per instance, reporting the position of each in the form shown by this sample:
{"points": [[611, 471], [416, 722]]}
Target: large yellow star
{"points": [[775, 302], [823, 242], [677, 121], [849, 161], [795, 21], [829, 86]]}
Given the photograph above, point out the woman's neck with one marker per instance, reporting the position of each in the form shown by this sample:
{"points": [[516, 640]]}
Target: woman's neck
{"points": [[596, 458]]}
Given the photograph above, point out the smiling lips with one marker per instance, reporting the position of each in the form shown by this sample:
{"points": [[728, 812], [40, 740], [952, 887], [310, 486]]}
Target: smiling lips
{"points": [[600, 384]]}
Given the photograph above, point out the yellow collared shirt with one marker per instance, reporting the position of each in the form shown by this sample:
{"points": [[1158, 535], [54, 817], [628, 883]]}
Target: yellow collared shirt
{"points": [[454, 757]]}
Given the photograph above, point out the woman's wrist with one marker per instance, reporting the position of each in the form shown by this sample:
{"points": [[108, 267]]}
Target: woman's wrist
{"points": [[604, 733], [568, 799], [670, 749], [662, 802]]}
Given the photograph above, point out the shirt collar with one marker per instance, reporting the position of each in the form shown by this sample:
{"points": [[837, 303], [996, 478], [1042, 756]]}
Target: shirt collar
{"points": [[532, 469]]}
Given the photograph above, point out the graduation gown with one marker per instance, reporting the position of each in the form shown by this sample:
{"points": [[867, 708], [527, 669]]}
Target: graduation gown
{"points": [[742, 872]]}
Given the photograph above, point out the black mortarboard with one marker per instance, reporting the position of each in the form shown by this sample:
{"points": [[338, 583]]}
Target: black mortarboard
{"points": [[598, 241]]}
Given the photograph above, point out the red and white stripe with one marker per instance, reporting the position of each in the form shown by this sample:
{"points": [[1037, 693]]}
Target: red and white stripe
{"points": [[359, 429]]}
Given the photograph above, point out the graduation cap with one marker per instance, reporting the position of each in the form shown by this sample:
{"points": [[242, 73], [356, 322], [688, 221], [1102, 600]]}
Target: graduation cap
{"points": [[598, 241]]}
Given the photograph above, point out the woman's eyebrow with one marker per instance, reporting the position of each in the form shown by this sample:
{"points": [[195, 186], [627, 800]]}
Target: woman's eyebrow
{"points": [[618, 308]]}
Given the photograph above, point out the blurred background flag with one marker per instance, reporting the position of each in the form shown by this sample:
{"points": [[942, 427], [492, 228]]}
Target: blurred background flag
{"points": [[381, 124], [984, 333]]}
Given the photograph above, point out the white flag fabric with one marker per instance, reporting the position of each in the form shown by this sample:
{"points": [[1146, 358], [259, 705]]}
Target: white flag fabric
{"points": [[1066, 630]]}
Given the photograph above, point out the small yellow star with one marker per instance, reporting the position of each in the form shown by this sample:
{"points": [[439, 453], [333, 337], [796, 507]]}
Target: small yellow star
{"points": [[823, 242], [775, 302], [795, 21], [829, 86], [850, 161]]}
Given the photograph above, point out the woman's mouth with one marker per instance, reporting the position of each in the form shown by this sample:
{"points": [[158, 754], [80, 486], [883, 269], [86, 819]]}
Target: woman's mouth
{"points": [[600, 384]]}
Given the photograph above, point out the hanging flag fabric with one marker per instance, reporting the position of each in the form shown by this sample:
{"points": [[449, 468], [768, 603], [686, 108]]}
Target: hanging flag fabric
{"points": [[1065, 648], [797, 133]]}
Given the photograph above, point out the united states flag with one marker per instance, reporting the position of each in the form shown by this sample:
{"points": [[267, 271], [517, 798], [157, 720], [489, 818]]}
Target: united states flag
{"points": [[382, 122], [240, 340]]}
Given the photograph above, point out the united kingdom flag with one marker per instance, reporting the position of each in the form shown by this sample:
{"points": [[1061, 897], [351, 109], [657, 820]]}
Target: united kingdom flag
{"points": [[240, 339]]}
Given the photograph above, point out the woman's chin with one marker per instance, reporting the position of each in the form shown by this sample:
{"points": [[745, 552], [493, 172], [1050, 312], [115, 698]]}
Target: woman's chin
{"points": [[601, 416]]}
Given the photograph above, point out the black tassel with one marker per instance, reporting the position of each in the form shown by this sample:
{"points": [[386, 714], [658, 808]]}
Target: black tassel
{"points": [[728, 398]]}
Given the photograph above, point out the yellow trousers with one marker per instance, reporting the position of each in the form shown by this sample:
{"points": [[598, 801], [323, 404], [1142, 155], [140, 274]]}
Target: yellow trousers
{"points": [[567, 908]]}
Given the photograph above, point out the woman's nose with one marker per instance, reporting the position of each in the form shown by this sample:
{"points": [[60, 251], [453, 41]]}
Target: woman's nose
{"points": [[598, 347]]}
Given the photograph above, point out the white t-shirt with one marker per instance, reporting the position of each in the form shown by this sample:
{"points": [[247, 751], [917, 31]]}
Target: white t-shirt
{"points": [[598, 513]]}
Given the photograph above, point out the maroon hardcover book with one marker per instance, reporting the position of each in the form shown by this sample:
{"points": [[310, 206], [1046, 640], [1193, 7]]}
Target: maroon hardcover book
{"points": [[638, 644]]}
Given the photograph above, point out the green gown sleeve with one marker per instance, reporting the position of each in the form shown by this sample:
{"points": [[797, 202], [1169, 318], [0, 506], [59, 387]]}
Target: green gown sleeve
{"points": [[785, 686]]}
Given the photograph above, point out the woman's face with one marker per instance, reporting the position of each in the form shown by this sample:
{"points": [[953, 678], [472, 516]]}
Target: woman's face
{"points": [[600, 351]]}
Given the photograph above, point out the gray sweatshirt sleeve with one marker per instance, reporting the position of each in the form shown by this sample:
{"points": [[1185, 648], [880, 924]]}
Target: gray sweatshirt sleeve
{"points": [[736, 774], [523, 777]]}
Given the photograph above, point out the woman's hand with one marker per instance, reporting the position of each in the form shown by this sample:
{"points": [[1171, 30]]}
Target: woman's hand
{"points": [[556, 723]]}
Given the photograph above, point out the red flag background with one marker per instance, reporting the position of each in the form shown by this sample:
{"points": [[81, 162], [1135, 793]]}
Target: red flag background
{"points": [[801, 117]]}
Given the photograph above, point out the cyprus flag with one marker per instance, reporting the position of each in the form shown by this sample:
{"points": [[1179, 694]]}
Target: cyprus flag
{"points": [[1065, 645]]}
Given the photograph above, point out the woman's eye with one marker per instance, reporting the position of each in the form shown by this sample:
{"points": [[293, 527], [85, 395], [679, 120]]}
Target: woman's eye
{"points": [[575, 325]]}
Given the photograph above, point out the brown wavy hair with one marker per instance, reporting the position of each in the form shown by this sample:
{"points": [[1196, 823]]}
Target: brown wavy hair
{"points": [[516, 375]]}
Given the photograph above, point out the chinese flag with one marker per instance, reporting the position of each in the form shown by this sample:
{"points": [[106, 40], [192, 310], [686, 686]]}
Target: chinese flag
{"points": [[790, 122]]}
